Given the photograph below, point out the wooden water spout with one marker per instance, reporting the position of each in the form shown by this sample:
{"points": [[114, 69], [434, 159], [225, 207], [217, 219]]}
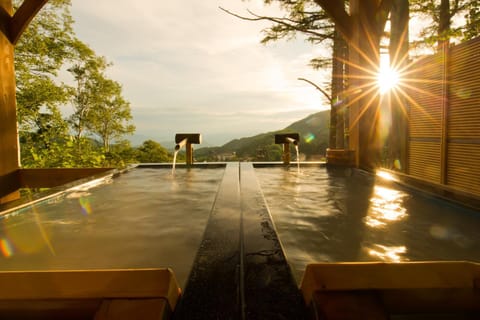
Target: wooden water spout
{"points": [[187, 139], [286, 139]]}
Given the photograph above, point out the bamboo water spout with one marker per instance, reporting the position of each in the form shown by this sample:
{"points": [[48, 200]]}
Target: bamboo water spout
{"points": [[286, 139], [187, 139]]}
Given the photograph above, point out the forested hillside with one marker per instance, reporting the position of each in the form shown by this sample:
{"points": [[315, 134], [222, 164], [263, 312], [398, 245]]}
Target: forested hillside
{"points": [[313, 131]]}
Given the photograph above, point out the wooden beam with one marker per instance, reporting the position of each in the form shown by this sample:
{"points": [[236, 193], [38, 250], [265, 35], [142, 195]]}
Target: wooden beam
{"points": [[9, 183], [49, 178], [22, 18], [336, 10]]}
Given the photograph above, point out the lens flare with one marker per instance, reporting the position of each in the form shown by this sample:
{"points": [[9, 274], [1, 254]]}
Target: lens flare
{"points": [[6, 248], [397, 164], [85, 205], [309, 137]]}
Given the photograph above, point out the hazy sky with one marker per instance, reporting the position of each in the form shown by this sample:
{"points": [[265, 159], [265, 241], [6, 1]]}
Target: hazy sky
{"points": [[187, 66]]}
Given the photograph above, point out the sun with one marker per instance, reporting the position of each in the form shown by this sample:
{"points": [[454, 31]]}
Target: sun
{"points": [[387, 79]]}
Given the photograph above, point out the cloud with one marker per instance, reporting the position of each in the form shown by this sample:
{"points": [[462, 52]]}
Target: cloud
{"points": [[187, 65]]}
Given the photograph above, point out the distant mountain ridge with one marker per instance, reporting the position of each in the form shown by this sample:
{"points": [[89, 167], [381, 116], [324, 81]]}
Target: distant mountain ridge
{"points": [[313, 131]]}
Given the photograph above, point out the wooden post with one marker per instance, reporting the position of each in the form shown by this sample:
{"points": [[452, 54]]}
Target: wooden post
{"points": [[362, 27], [189, 153], [9, 157], [285, 139], [364, 61], [445, 104], [286, 153], [398, 50]]}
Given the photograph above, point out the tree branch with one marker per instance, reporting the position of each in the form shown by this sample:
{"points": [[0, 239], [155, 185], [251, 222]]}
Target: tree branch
{"points": [[329, 98], [289, 23]]}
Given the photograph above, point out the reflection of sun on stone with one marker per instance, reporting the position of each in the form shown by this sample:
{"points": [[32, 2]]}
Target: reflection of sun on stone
{"points": [[388, 254], [386, 206]]}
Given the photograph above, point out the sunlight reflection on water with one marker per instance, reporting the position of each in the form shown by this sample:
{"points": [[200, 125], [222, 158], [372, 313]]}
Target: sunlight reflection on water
{"points": [[386, 207], [344, 215]]}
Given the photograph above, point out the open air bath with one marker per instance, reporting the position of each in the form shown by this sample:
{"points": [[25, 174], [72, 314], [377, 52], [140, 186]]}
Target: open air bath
{"points": [[362, 217], [143, 218], [384, 227]]}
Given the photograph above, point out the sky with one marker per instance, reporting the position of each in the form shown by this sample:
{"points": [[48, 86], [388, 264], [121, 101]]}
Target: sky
{"points": [[187, 66]]}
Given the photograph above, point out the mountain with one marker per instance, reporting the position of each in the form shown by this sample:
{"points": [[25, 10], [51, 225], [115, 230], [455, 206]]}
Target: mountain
{"points": [[313, 131]]}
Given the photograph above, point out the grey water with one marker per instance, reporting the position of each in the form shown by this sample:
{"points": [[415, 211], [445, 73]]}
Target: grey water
{"points": [[145, 218], [347, 215]]}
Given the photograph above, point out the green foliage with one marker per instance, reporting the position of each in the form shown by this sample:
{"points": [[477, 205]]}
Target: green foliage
{"points": [[151, 151], [110, 115], [466, 12], [39, 55], [302, 16], [47, 46], [472, 18]]}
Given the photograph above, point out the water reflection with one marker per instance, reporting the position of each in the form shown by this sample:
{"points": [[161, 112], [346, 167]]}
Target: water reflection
{"points": [[142, 219], [336, 215], [388, 253], [386, 175], [386, 207]]}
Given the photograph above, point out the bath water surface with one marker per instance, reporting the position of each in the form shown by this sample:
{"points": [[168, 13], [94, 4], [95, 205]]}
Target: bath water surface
{"points": [[145, 218], [347, 215]]}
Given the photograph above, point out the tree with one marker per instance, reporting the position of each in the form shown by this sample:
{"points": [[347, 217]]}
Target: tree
{"points": [[306, 17], [84, 70], [120, 155], [152, 151], [46, 47], [442, 14], [98, 103], [110, 115], [40, 53]]}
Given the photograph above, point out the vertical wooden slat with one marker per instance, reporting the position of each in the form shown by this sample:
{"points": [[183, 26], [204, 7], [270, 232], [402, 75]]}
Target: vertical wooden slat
{"points": [[444, 114]]}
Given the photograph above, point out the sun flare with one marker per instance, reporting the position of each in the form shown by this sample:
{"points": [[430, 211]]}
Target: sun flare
{"points": [[387, 79]]}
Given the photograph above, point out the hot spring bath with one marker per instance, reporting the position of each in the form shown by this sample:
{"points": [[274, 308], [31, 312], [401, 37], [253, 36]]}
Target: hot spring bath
{"points": [[346, 215], [149, 218], [145, 218]]}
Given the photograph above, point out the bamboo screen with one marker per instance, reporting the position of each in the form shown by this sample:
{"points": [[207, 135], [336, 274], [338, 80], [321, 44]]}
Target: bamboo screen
{"points": [[425, 114], [444, 118], [463, 126]]}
